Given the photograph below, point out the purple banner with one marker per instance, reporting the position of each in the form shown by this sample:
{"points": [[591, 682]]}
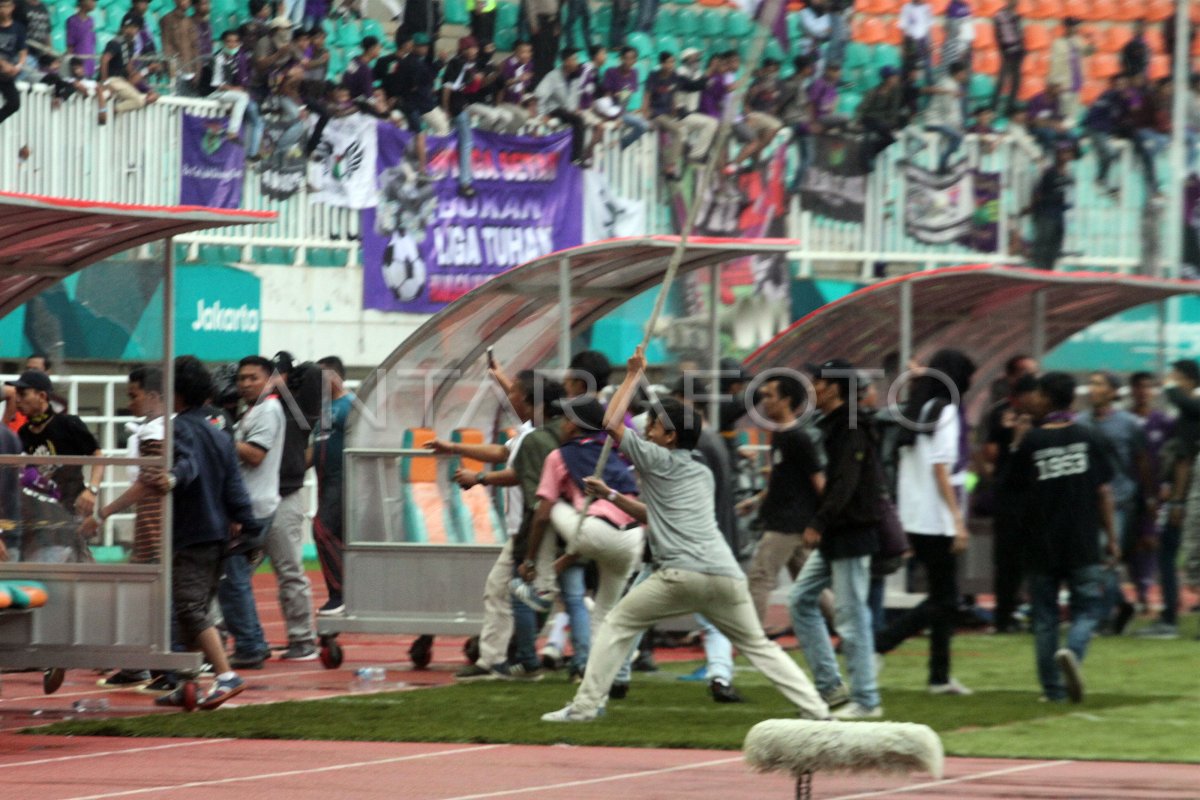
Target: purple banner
{"points": [[984, 236], [213, 166], [425, 246]]}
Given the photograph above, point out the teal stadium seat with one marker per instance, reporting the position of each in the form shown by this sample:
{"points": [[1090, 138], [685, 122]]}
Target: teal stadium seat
{"points": [[642, 43], [885, 55], [665, 23], [211, 254], [774, 50], [349, 34], [712, 23], [371, 27], [666, 44], [688, 22], [740, 26], [456, 12], [848, 103]]}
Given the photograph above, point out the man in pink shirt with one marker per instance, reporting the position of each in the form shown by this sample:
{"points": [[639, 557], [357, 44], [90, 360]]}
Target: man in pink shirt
{"points": [[608, 536]]}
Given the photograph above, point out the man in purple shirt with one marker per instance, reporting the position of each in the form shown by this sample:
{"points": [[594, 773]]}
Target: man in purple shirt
{"points": [[712, 97], [589, 78], [1047, 122], [81, 36], [619, 85], [358, 77], [823, 96], [517, 76]]}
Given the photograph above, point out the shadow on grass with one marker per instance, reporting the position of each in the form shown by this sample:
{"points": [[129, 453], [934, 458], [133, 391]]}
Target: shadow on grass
{"points": [[658, 713]]}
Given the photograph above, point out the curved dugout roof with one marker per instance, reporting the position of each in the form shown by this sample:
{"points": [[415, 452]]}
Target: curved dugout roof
{"points": [[987, 312], [437, 377], [44, 239]]}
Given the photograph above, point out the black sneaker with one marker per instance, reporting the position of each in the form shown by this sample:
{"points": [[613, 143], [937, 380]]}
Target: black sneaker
{"points": [[172, 700], [575, 674], [333, 607], [645, 662], [299, 651], [163, 683], [248, 661], [1124, 615], [125, 679], [722, 692], [618, 691]]}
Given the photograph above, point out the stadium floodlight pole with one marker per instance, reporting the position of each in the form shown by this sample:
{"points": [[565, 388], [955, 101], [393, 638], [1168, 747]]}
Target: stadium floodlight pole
{"points": [[1171, 255], [770, 10]]}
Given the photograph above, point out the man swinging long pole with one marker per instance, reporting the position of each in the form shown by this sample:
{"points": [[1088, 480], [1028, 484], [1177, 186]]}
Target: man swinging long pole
{"points": [[770, 11]]}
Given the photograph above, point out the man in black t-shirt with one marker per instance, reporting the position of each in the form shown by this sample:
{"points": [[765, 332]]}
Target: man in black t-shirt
{"points": [[1006, 552], [46, 433], [1061, 476], [790, 499], [119, 70], [13, 53]]}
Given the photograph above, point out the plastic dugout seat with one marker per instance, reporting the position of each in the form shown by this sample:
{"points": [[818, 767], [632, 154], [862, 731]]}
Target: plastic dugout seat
{"points": [[1037, 37], [422, 503], [472, 513], [1102, 66]]}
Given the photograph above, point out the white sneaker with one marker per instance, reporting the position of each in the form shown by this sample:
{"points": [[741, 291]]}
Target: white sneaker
{"points": [[1072, 676], [1157, 630], [569, 713], [951, 687], [539, 601], [853, 711]]}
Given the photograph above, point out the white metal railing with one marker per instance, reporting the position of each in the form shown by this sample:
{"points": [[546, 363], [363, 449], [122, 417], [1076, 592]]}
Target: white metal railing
{"points": [[1102, 231], [97, 397]]}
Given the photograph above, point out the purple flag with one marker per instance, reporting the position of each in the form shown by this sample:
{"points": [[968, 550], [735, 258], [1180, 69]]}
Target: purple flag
{"points": [[424, 246], [213, 166], [984, 235]]}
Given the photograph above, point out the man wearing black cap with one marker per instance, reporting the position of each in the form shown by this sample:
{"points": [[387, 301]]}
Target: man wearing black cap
{"points": [[118, 70], [47, 433], [607, 536], [843, 531]]}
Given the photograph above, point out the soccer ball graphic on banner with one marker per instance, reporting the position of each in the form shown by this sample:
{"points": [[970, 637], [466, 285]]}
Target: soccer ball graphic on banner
{"points": [[406, 205]]}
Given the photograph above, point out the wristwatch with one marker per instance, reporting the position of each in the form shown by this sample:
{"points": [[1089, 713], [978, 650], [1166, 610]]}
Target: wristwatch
{"points": [[479, 476], [612, 495], [93, 488]]}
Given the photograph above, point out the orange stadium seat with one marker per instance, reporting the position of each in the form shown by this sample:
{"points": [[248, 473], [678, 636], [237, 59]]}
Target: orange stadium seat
{"points": [[1130, 10], [985, 36], [939, 6], [988, 9], [1031, 87], [1154, 38], [1100, 10], [1160, 67], [1076, 8], [1026, 7], [869, 30], [986, 61], [938, 35], [1036, 64], [1116, 37], [1159, 10], [1103, 66], [1046, 9], [1036, 38], [1091, 90]]}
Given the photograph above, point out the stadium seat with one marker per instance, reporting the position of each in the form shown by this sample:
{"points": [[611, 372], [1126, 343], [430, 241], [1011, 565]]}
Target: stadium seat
{"points": [[1159, 10], [1091, 91], [984, 11], [1130, 10], [885, 55], [1076, 8], [1037, 63], [981, 88], [371, 27], [422, 503], [939, 7], [1031, 87], [938, 35], [472, 514], [847, 103], [665, 23], [985, 36], [1036, 38], [774, 50], [986, 62], [1113, 38], [1103, 66], [338, 258], [739, 25], [1100, 10], [1160, 67], [857, 55], [455, 12], [869, 30], [666, 44], [712, 23], [1046, 9], [642, 43], [1154, 39], [688, 22]]}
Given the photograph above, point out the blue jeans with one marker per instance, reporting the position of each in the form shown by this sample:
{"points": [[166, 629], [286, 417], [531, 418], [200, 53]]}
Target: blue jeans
{"points": [[875, 596], [525, 631], [1086, 587], [637, 127], [236, 596], [571, 581], [578, 11], [255, 133], [718, 652], [951, 141], [850, 579], [1168, 575], [1123, 519], [466, 142], [839, 35]]}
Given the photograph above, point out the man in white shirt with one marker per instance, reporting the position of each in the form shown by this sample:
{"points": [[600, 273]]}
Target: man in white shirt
{"points": [[258, 439], [916, 23]]}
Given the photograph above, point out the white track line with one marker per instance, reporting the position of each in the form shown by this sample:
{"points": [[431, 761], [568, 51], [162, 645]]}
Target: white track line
{"points": [[951, 781], [569, 784], [287, 774], [111, 753]]}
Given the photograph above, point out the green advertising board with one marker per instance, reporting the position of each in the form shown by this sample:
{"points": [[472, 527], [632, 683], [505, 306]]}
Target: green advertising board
{"points": [[112, 311]]}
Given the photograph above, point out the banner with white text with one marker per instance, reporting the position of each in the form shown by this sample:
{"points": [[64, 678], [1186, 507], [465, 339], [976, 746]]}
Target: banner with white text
{"points": [[425, 245]]}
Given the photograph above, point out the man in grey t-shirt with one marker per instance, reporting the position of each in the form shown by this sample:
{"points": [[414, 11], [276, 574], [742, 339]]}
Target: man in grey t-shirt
{"points": [[258, 438], [694, 569]]}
